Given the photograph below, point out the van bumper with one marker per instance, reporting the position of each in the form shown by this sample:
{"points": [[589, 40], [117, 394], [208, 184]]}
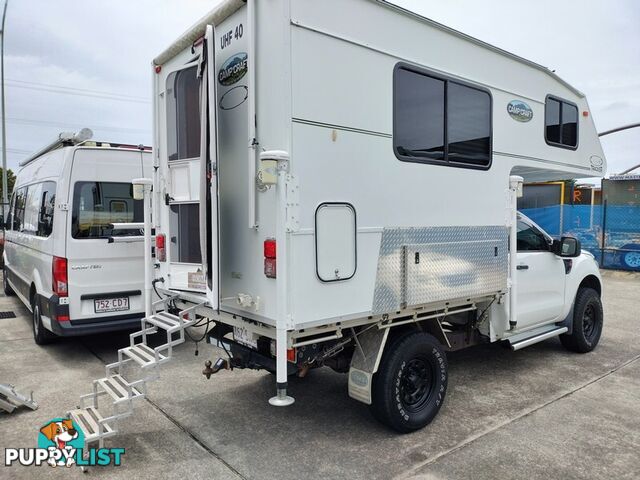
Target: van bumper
{"points": [[86, 326], [97, 325]]}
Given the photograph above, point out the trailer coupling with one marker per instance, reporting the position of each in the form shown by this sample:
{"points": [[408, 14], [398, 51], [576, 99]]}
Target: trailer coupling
{"points": [[220, 364]]}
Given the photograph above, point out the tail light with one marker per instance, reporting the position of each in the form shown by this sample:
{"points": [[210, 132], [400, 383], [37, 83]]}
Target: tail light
{"points": [[270, 258], [60, 278], [291, 355], [161, 251]]}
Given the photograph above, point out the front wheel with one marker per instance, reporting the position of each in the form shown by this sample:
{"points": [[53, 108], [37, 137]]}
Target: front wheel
{"points": [[410, 385], [588, 319], [8, 291]]}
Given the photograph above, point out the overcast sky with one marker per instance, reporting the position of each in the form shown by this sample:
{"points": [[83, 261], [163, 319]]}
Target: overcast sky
{"points": [[76, 63]]}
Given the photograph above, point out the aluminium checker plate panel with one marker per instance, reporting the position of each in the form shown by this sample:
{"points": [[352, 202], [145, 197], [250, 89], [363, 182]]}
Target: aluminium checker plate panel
{"points": [[425, 265]]}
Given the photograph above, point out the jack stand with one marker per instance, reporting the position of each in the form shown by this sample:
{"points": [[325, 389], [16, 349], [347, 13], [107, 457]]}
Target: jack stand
{"points": [[281, 399]]}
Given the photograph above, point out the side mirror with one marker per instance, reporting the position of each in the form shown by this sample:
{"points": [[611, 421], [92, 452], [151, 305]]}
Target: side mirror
{"points": [[567, 247]]}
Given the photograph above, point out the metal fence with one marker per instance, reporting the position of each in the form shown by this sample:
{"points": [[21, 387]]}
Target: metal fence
{"points": [[611, 231]]}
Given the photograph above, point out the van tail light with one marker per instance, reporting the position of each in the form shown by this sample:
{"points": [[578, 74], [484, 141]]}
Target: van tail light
{"points": [[60, 278], [161, 251], [270, 258], [291, 355]]}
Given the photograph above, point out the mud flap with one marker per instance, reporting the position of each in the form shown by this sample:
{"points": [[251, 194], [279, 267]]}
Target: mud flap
{"points": [[365, 362]]}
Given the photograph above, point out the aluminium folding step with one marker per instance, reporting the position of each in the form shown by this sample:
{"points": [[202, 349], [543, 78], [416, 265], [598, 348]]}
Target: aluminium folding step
{"points": [[144, 355], [118, 388], [88, 419], [166, 321]]}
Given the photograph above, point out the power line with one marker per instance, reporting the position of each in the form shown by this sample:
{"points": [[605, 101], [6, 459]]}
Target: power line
{"points": [[80, 92], [45, 123]]}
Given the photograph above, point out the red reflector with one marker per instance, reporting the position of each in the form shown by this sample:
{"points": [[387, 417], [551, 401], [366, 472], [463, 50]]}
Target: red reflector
{"points": [[63, 318], [270, 267], [291, 355], [585, 114], [270, 248], [59, 274], [161, 251], [158, 68]]}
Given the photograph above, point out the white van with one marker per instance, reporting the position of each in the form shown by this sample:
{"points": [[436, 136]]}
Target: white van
{"points": [[63, 257]]}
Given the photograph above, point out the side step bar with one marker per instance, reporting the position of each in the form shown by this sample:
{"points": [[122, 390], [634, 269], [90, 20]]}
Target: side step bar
{"points": [[526, 339]]}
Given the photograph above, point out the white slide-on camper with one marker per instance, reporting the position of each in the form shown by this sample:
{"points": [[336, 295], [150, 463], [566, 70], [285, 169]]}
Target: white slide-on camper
{"points": [[336, 186], [62, 257]]}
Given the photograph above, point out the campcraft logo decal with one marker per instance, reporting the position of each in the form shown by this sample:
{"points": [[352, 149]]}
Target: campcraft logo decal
{"points": [[233, 69], [61, 444], [520, 111]]}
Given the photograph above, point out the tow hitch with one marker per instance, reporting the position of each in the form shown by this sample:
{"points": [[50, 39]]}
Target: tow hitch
{"points": [[220, 364]]}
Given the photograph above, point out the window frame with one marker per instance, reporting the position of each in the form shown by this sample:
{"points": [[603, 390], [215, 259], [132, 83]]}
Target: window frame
{"points": [[446, 79], [177, 235], [561, 101], [191, 64], [548, 239]]}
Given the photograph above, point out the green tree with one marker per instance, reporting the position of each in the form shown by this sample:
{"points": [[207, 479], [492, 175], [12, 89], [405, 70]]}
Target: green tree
{"points": [[11, 180]]}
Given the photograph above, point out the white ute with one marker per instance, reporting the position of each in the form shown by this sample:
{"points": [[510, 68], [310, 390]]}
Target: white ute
{"points": [[63, 256], [336, 185]]}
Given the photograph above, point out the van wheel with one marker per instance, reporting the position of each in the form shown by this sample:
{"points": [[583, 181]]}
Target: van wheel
{"points": [[588, 319], [410, 385], [41, 335], [8, 291]]}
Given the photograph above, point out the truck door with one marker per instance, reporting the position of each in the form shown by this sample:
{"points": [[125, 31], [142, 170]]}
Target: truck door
{"points": [[541, 278]]}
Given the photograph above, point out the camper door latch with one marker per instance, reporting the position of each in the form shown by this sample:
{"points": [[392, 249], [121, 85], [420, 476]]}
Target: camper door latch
{"points": [[64, 207]]}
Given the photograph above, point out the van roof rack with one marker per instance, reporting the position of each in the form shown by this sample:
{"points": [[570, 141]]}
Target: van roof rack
{"points": [[64, 139]]}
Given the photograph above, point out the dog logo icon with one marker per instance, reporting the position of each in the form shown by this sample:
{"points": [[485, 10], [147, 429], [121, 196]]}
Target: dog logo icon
{"points": [[61, 437]]}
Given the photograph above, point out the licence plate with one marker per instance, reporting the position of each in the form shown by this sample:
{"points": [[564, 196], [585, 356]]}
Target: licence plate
{"points": [[243, 336], [104, 305]]}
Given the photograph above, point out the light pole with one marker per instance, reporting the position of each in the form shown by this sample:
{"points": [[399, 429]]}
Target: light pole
{"points": [[5, 197]]}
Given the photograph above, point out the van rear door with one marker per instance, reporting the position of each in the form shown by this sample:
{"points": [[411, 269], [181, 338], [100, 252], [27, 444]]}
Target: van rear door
{"points": [[106, 278]]}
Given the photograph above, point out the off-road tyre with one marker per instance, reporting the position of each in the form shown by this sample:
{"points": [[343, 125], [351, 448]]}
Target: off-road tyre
{"points": [[410, 384], [588, 320]]}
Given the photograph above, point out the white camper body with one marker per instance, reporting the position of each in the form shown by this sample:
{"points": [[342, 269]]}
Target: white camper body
{"points": [[63, 260], [362, 156]]}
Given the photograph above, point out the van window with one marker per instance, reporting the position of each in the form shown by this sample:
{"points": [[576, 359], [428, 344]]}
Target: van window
{"points": [[46, 209], [561, 123], [98, 204], [18, 212], [183, 114], [32, 209], [184, 224], [441, 121]]}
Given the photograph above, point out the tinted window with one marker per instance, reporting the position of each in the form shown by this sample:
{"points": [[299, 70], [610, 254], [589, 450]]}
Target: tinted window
{"points": [[419, 122], [469, 125], [530, 238], [185, 233], [183, 114], [98, 204], [47, 207], [437, 120], [561, 123], [552, 120], [18, 213]]}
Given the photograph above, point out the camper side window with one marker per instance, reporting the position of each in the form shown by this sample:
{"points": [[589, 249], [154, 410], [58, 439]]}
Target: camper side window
{"points": [[561, 123], [440, 121], [183, 114]]}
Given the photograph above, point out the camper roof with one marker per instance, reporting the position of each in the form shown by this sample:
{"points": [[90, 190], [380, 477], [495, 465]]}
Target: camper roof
{"points": [[228, 7]]}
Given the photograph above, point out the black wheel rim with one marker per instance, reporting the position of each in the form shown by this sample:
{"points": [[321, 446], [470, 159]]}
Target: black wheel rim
{"points": [[590, 322], [416, 384]]}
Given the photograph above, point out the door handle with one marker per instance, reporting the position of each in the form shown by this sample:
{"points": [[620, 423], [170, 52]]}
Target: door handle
{"points": [[522, 267]]}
